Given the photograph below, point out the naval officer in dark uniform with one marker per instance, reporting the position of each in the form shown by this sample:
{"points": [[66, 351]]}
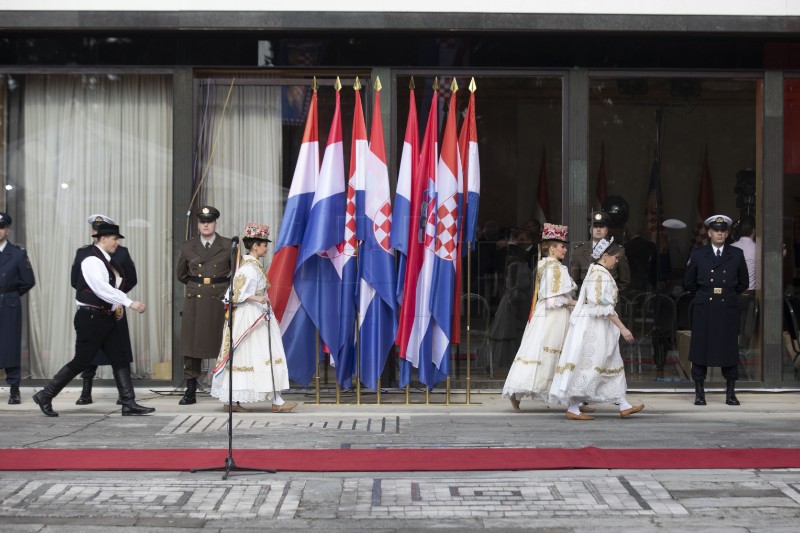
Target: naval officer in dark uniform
{"points": [[204, 266], [96, 321], [716, 273], [16, 278], [129, 280]]}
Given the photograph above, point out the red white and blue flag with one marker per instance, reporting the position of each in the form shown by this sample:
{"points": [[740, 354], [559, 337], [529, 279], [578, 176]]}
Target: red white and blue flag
{"points": [[470, 181], [445, 247], [377, 305], [414, 334], [321, 257], [297, 329], [402, 221]]}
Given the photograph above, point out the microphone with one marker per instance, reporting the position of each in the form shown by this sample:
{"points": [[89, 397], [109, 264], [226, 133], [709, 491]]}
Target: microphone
{"points": [[234, 241]]}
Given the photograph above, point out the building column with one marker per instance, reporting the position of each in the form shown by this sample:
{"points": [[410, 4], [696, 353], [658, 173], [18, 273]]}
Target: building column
{"points": [[182, 103], [770, 219], [575, 146]]}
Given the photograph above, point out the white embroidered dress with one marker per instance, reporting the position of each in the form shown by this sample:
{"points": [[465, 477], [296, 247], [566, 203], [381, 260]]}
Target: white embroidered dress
{"points": [[532, 371], [252, 376], [590, 368]]}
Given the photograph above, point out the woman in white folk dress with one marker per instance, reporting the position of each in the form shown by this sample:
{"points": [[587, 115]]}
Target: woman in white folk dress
{"points": [[532, 371], [590, 368], [259, 362]]}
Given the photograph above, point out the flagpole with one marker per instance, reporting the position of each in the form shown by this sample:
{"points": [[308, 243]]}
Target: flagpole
{"points": [[472, 87], [357, 87], [316, 358]]}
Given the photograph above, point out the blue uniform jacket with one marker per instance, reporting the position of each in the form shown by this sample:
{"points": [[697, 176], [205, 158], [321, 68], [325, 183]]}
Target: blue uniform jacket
{"points": [[16, 278]]}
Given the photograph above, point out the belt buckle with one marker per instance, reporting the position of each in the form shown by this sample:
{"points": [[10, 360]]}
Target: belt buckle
{"points": [[717, 290], [206, 281]]}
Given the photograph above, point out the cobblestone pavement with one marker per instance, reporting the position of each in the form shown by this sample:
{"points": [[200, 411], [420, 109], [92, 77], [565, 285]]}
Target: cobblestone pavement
{"points": [[565, 500]]}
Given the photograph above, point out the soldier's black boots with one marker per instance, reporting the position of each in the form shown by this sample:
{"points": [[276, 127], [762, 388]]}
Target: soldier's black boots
{"points": [[86, 392], [191, 390], [13, 396], [699, 393], [730, 393]]}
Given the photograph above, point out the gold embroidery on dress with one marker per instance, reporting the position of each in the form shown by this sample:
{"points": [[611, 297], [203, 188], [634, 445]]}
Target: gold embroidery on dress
{"points": [[278, 361], [609, 371], [598, 288], [556, 278], [244, 369], [238, 285], [527, 362], [551, 350], [562, 369]]}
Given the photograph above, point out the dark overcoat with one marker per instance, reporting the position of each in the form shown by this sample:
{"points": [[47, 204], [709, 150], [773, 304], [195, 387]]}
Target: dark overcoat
{"points": [[203, 310], [581, 259], [715, 313], [16, 278], [129, 280]]}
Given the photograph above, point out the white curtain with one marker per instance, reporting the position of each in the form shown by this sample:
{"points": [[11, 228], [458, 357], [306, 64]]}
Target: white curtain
{"points": [[243, 180], [98, 144]]}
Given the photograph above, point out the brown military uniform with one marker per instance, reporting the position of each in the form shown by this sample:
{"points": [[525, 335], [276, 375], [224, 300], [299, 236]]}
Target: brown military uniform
{"points": [[206, 275], [581, 259]]}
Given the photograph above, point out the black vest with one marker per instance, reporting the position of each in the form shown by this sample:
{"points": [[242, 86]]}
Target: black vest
{"points": [[83, 293]]}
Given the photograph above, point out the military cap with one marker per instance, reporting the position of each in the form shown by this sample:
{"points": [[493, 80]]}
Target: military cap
{"points": [[96, 219], [5, 220], [207, 213], [719, 222], [599, 219]]}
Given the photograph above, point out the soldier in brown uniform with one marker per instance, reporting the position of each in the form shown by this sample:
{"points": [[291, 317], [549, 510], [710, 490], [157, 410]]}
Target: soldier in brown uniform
{"points": [[204, 266], [582, 255]]}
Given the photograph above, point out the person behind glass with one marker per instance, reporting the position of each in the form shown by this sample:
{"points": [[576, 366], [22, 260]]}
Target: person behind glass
{"points": [[100, 303], [716, 273], [259, 362], [204, 267], [16, 278], [581, 258], [590, 368], [129, 280], [532, 371]]}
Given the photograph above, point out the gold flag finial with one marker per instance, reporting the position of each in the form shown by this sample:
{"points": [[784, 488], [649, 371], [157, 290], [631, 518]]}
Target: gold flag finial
{"points": [[338, 84], [357, 85], [378, 85], [314, 84], [472, 86], [436, 83], [411, 84], [453, 85]]}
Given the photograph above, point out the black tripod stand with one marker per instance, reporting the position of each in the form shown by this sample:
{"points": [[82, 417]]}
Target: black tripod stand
{"points": [[229, 462]]}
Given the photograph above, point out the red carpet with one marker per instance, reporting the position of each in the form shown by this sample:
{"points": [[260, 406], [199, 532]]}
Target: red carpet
{"points": [[401, 460]]}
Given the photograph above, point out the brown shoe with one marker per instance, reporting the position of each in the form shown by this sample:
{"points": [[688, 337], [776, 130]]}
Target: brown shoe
{"points": [[236, 408], [573, 416], [285, 407], [515, 403], [630, 410], [586, 409]]}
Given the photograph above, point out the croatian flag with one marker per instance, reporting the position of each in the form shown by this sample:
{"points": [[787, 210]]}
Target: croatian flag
{"points": [[469, 181], [345, 357], [445, 247], [414, 336], [401, 214], [297, 330], [318, 276], [377, 305]]}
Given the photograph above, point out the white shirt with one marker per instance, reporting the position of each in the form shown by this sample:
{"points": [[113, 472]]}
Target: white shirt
{"points": [[718, 251], [209, 241], [96, 276], [748, 247], [3, 245]]}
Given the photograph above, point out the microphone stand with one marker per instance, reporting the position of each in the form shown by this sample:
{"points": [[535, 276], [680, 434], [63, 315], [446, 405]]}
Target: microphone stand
{"points": [[230, 464]]}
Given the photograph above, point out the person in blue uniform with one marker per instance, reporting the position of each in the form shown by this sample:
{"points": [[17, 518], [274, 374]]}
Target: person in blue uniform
{"points": [[99, 301], [716, 273], [16, 278], [129, 280]]}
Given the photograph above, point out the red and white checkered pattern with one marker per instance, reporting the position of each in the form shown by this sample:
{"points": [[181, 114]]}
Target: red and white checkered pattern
{"points": [[446, 229], [383, 225], [350, 244]]}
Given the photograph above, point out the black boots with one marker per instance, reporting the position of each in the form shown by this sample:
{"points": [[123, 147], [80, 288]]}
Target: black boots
{"points": [[699, 393], [730, 393], [191, 390], [13, 396], [125, 385], [44, 397], [86, 393]]}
